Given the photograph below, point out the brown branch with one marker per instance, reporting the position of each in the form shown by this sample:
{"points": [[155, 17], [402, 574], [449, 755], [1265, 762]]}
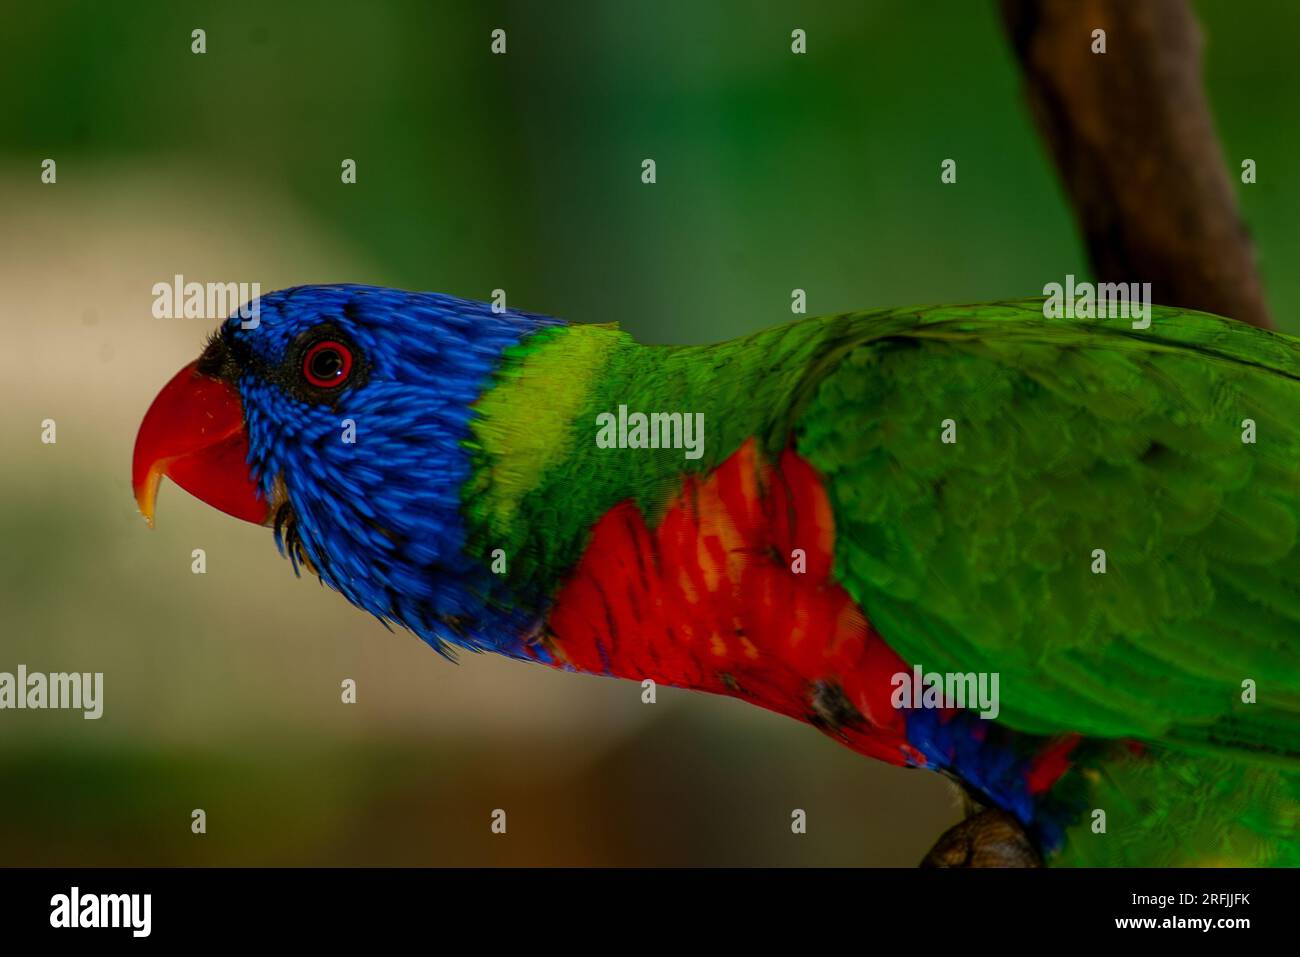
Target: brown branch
{"points": [[1132, 137]]}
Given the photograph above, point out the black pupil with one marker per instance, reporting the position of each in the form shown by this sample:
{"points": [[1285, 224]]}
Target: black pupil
{"points": [[326, 364]]}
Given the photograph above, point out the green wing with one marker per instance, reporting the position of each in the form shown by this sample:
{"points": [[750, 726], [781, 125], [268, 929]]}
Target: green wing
{"points": [[1072, 437]]}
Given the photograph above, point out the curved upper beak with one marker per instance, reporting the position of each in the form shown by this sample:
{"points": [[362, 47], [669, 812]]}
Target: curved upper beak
{"points": [[194, 434]]}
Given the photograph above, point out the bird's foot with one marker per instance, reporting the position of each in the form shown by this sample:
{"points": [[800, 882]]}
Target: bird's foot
{"points": [[990, 838]]}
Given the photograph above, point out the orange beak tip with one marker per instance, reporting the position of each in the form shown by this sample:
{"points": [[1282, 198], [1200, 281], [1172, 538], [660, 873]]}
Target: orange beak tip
{"points": [[146, 494]]}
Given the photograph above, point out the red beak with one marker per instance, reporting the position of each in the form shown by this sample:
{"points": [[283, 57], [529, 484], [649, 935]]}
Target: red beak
{"points": [[194, 433]]}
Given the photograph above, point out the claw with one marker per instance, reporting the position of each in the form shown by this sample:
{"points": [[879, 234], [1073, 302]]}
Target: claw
{"points": [[991, 838]]}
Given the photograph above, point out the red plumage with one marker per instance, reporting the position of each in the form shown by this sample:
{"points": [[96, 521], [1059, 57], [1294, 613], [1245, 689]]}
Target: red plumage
{"points": [[731, 592]]}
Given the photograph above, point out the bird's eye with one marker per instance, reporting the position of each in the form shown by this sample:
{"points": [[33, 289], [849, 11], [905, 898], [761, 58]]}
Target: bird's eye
{"points": [[327, 364]]}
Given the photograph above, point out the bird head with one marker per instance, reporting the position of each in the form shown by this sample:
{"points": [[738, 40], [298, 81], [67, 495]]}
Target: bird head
{"points": [[340, 417]]}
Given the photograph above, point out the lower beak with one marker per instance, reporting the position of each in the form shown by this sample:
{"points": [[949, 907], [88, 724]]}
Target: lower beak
{"points": [[194, 434]]}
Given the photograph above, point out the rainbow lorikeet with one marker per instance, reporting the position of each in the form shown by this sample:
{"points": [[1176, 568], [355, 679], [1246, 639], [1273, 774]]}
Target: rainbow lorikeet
{"points": [[1103, 519]]}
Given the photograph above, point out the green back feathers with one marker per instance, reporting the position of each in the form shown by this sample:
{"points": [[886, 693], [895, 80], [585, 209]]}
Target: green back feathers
{"points": [[1074, 439]]}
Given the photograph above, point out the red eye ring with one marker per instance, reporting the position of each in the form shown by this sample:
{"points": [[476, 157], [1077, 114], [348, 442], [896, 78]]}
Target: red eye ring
{"points": [[327, 364]]}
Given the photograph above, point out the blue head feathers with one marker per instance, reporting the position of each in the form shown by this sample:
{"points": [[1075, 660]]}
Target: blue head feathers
{"points": [[357, 401]]}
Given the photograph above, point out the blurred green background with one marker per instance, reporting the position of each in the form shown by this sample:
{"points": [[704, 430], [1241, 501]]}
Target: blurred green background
{"points": [[475, 172]]}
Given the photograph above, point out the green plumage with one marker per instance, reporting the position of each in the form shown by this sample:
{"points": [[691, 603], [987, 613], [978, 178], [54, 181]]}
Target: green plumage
{"points": [[552, 387], [1072, 438]]}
